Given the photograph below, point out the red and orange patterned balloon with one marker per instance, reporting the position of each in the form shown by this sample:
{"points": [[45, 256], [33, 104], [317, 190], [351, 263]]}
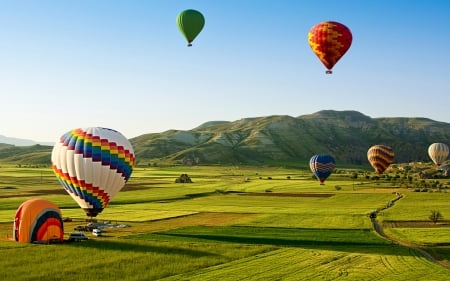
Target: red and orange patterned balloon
{"points": [[329, 40]]}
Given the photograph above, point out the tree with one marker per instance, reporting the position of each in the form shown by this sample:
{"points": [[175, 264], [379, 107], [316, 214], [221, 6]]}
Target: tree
{"points": [[435, 216], [354, 176]]}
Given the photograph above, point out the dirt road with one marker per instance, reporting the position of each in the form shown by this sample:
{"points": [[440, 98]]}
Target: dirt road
{"points": [[423, 250]]}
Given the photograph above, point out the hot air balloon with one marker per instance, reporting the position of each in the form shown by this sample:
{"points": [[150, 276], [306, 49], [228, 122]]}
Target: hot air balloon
{"points": [[190, 23], [380, 157], [329, 40], [322, 165], [438, 152], [92, 164], [38, 220]]}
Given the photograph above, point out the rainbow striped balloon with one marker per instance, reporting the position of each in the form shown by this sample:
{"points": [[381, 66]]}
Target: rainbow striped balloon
{"points": [[380, 157], [93, 164], [322, 165]]}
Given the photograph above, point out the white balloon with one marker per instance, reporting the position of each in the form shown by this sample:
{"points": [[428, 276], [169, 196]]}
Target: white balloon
{"points": [[438, 152], [93, 164]]}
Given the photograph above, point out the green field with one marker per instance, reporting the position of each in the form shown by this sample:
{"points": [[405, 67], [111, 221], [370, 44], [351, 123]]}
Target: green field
{"points": [[231, 223]]}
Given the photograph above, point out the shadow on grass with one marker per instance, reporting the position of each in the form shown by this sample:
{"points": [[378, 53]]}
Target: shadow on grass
{"points": [[116, 245], [348, 240], [441, 253]]}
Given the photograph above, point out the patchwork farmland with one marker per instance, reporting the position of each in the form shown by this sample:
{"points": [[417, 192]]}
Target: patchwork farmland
{"points": [[233, 223]]}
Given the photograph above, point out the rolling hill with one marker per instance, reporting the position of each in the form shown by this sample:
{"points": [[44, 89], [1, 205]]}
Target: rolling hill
{"points": [[347, 135]]}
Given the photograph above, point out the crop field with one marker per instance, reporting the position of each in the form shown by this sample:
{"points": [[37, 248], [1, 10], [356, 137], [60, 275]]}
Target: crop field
{"points": [[232, 223]]}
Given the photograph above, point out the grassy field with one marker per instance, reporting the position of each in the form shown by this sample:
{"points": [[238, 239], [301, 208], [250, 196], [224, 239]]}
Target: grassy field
{"points": [[231, 223]]}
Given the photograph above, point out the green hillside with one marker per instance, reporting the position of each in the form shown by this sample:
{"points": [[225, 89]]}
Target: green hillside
{"points": [[34, 154], [347, 135]]}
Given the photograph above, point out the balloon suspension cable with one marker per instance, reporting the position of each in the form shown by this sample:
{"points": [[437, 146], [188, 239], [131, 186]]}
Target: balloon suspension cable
{"points": [[328, 72]]}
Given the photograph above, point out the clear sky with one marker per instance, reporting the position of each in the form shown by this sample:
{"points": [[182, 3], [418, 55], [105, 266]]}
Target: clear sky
{"points": [[123, 64]]}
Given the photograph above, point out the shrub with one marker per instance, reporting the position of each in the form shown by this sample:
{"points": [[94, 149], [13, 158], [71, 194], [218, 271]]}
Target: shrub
{"points": [[435, 216]]}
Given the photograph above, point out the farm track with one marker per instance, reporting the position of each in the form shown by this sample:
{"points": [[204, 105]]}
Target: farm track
{"points": [[422, 250]]}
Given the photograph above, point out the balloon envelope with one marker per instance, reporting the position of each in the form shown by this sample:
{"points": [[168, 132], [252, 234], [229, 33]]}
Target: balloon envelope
{"points": [[322, 165], [380, 157], [329, 41], [438, 153], [93, 164], [38, 220], [190, 23]]}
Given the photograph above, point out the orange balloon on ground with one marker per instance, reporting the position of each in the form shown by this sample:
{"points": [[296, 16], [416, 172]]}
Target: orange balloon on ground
{"points": [[329, 40], [38, 220]]}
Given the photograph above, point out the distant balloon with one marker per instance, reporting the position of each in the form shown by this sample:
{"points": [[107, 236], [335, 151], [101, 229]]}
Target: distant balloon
{"points": [[438, 152], [93, 164], [329, 40], [190, 23], [38, 220], [380, 157], [322, 165]]}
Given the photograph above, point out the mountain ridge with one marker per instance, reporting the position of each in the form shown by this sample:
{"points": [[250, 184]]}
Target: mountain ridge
{"points": [[347, 135], [21, 142]]}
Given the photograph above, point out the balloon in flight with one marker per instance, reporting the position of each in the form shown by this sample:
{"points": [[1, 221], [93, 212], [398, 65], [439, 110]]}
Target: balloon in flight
{"points": [[329, 40], [380, 157], [322, 165], [438, 153], [93, 164], [190, 23]]}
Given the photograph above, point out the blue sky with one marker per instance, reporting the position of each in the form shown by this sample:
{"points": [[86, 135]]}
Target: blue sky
{"points": [[123, 64]]}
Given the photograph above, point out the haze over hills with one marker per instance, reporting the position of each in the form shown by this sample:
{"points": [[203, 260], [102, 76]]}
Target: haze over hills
{"points": [[21, 142], [347, 135]]}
